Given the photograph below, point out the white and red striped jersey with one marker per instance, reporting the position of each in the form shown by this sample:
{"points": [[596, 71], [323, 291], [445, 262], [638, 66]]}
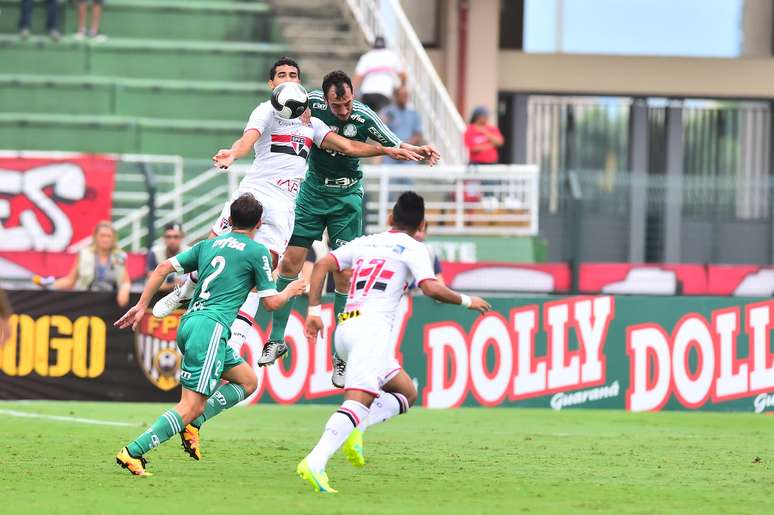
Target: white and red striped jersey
{"points": [[383, 265], [282, 149]]}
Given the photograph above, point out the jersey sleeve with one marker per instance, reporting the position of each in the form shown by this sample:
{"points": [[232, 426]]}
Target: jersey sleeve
{"points": [[377, 129], [320, 129], [187, 261], [420, 263], [260, 118], [344, 255], [264, 282]]}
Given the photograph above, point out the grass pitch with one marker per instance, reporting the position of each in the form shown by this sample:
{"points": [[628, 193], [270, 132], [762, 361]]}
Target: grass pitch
{"points": [[426, 462]]}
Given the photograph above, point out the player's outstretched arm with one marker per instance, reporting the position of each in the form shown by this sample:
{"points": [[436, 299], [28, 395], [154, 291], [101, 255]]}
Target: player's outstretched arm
{"points": [[358, 149], [226, 156], [438, 291], [134, 315], [428, 152], [275, 302], [314, 323]]}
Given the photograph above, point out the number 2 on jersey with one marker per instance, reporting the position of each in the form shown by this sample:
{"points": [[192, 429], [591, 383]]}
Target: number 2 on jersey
{"points": [[218, 263]]}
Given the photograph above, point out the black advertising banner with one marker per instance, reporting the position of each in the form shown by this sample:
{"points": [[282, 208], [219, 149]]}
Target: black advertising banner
{"points": [[63, 346]]}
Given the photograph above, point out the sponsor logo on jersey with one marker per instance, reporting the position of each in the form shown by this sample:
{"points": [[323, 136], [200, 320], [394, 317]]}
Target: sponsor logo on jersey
{"points": [[229, 242], [398, 249], [156, 350], [357, 118], [350, 130], [320, 105]]}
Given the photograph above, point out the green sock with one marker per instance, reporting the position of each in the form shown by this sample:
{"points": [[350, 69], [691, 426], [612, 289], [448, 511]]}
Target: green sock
{"points": [[225, 397], [339, 303], [279, 318], [165, 427]]}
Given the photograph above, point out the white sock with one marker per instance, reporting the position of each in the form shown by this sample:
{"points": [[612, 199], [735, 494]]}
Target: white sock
{"points": [[189, 286], [242, 325], [384, 407], [338, 428]]}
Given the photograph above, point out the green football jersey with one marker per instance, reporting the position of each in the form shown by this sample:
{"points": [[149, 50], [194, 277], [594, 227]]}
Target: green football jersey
{"points": [[229, 267], [363, 123]]}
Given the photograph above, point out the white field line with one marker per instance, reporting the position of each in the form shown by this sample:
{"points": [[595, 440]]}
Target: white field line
{"points": [[61, 418]]}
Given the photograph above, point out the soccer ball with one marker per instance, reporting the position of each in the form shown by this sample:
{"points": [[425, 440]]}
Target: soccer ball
{"points": [[290, 100]]}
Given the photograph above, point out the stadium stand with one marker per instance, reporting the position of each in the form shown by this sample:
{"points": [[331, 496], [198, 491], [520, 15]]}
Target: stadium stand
{"points": [[175, 77]]}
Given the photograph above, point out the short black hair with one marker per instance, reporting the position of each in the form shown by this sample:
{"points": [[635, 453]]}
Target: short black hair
{"points": [[246, 212], [336, 79], [409, 211], [173, 226], [282, 61]]}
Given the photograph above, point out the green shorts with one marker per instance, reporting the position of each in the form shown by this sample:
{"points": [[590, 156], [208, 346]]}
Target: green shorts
{"points": [[340, 212], [206, 354]]}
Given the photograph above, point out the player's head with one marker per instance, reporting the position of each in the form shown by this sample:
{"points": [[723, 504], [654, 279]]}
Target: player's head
{"points": [[246, 213], [408, 214], [284, 70], [338, 92]]}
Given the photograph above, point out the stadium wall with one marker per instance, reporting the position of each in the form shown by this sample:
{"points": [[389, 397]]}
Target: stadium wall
{"points": [[615, 352]]}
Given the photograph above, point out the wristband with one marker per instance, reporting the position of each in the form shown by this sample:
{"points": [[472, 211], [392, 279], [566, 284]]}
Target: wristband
{"points": [[314, 311], [465, 301]]}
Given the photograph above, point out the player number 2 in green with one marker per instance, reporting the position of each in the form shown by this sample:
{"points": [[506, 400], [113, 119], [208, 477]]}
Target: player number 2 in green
{"points": [[218, 263]]}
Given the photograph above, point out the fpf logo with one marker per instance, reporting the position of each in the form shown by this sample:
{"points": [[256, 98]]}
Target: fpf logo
{"points": [[157, 351]]}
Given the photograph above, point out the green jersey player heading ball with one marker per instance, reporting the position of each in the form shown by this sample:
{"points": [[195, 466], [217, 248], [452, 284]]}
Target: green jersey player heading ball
{"points": [[229, 266], [331, 196]]}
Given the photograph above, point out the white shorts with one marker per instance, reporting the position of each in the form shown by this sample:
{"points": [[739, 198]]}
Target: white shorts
{"points": [[279, 215], [366, 345]]}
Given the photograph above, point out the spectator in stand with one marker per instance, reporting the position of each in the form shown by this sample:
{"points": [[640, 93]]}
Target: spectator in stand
{"points": [[172, 246], [482, 138], [403, 121], [52, 18], [377, 74], [99, 267], [5, 314], [96, 15]]}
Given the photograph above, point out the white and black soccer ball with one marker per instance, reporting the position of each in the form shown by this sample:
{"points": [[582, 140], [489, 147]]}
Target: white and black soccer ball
{"points": [[290, 100]]}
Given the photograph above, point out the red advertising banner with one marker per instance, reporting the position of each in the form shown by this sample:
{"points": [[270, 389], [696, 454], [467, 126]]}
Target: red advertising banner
{"points": [[636, 279], [490, 276], [740, 280], [48, 204]]}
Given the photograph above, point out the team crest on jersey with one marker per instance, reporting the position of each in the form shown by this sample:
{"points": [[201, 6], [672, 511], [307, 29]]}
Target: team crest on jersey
{"points": [[298, 143], [156, 350], [350, 130]]}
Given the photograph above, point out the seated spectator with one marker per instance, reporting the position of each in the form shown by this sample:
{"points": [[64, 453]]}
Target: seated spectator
{"points": [[377, 74], [403, 121], [99, 267], [172, 246], [96, 15], [52, 18]]}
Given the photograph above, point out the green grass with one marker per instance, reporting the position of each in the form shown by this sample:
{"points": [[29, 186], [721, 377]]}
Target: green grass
{"points": [[426, 462]]}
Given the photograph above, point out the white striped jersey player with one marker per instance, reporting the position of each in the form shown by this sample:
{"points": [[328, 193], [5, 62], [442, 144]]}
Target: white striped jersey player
{"points": [[276, 172], [383, 265]]}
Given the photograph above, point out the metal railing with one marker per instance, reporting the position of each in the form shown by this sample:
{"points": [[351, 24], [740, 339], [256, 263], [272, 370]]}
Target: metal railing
{"points": [[485, 200], [442, 124]]}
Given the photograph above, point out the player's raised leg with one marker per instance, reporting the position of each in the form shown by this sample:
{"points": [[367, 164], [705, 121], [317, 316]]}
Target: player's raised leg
{"points": [[352, 411], [241, 383], [396, 397]]}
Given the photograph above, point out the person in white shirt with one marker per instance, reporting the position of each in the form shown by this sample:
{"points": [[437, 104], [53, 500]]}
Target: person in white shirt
{"points": [[377, 74], [375, 386]]}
